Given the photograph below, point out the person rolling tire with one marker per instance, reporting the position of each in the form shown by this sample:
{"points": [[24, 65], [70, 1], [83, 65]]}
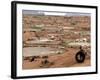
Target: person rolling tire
{"points": [[80, 56]]}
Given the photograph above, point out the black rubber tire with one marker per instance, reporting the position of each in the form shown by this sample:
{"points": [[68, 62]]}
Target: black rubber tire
{"points": [[81, 55]]}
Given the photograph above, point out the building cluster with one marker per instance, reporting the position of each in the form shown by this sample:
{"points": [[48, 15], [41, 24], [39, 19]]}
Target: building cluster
{"points": [[55, 30]]}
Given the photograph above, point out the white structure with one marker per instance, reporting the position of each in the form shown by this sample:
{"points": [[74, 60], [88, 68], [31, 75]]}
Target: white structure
{"points": [[81, 40]]}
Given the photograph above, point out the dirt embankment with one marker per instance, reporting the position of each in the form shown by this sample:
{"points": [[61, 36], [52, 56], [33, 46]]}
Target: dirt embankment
{"points": [[66, 59]]}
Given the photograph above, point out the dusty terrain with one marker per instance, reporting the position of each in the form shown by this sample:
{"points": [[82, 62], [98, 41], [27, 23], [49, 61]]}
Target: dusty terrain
{"points": [[55, 32], [66, 59]]}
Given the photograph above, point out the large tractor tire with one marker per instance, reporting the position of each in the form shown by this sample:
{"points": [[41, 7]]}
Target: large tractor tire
{"points": [[80, 57]]}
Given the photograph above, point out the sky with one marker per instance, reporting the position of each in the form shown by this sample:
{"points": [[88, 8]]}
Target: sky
{"points": [[40, 12]]}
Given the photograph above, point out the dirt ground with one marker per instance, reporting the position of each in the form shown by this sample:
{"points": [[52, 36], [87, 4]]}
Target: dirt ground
{"points": [[66, 59]]}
